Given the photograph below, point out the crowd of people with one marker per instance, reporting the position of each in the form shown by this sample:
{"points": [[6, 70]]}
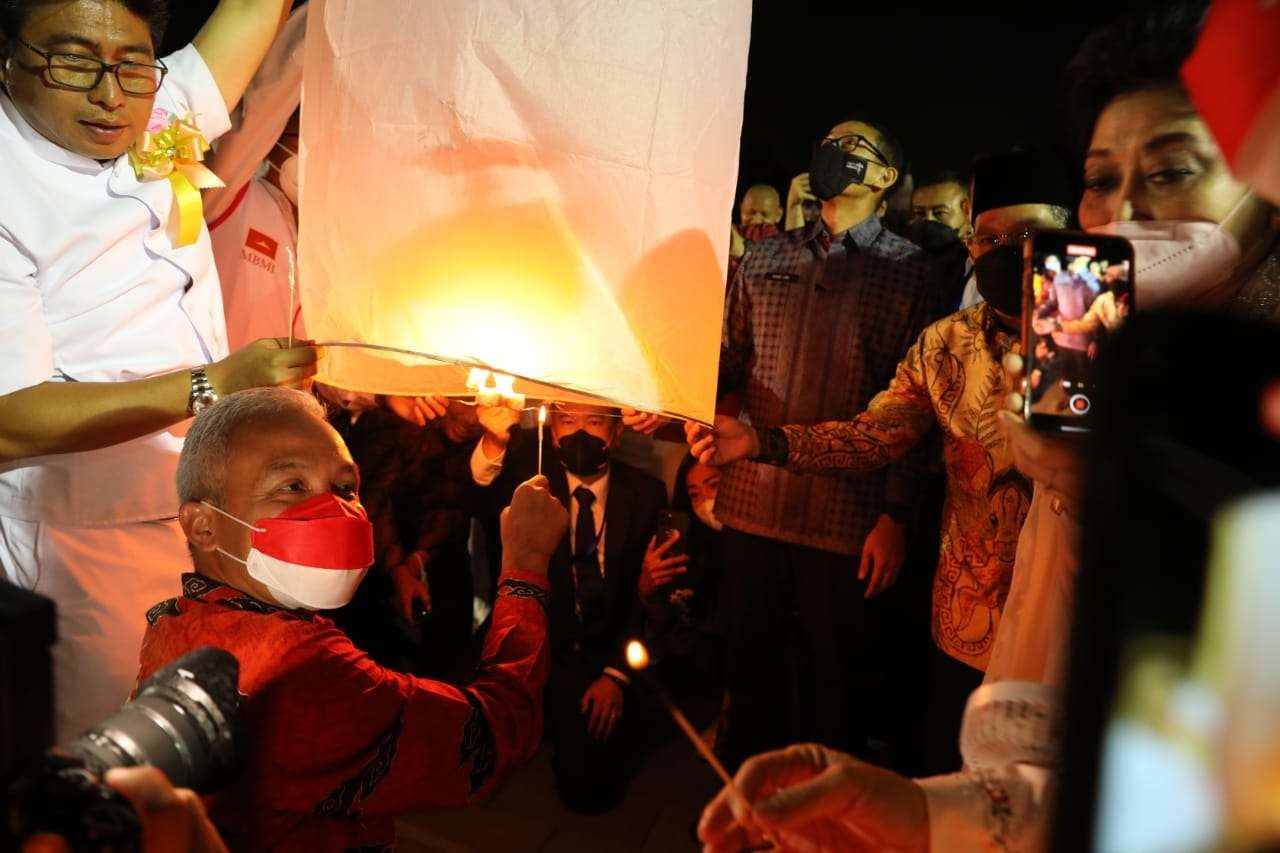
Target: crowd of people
{"points": [[849, 566]]}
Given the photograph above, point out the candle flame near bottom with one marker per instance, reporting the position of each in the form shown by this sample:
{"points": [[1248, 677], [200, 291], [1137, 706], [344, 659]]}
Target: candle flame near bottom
{"points": [[637, 655]]}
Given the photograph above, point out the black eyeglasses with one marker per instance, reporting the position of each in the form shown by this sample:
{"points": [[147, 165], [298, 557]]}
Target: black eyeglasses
{"points": [[851, 142], [84, 73]]}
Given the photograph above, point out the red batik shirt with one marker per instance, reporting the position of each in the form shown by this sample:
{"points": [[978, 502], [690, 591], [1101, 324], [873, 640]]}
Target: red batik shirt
{"points": [[338, 745]]}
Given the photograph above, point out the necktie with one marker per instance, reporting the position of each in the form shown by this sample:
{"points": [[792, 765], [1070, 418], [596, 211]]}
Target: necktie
{"points": [[586, 562]]}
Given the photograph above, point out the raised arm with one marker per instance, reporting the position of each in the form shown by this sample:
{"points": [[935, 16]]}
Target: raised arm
{"points": [[891, 426], [414, 743], [68, 417], [235, 39]]}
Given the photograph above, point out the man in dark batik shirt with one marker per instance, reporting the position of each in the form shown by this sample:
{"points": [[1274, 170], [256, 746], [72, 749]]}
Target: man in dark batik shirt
{"points": [[816, 319]]}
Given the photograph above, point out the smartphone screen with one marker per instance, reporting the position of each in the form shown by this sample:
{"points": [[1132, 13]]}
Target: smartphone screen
{"points": [[1077, 292]]}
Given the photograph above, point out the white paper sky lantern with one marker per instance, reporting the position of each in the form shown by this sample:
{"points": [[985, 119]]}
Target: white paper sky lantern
{"points": [[541, 188]]}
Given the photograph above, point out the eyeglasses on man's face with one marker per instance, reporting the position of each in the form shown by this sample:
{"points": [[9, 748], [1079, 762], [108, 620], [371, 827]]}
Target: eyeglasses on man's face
{"points": [[980, 243], [84, 73], [850, 143]]}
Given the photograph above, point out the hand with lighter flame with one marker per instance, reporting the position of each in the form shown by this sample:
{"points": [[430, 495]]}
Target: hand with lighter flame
{"points": [[532, 527]]}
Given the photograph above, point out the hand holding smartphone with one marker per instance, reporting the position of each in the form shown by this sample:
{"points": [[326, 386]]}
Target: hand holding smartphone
{"points": [[1077, 290], [673, 521]]}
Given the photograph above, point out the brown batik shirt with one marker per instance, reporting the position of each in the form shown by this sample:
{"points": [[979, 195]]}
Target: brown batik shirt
{"points": [[952, 376]]}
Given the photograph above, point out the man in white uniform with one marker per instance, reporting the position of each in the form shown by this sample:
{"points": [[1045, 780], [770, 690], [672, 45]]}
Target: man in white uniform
{"points": [[111, 332]]}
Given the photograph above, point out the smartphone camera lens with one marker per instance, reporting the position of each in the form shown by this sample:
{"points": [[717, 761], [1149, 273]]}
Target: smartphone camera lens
{"points": [[1079, 404]]}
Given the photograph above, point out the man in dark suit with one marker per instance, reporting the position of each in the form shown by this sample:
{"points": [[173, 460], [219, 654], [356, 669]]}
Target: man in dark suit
{"points": [[595, 603]]}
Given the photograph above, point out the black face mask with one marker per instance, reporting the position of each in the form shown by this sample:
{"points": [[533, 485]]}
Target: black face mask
{"points": [[999, 274], [583, 454], [831, 170], [932, 236]]}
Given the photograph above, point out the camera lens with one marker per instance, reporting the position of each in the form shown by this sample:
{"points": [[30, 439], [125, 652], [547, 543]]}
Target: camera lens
{"points": [[184, 721]]}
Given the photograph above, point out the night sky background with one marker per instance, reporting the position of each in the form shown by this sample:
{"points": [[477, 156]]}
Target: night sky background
{"points": [[951, 84]]}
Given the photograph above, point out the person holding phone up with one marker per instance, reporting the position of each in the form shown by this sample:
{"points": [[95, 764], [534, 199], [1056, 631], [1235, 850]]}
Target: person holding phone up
{"points": [[951, 376], [1140, 182]]}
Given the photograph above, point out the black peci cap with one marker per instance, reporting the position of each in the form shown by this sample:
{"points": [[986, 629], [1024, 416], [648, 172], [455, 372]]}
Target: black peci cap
{"points": [[1020, 176]]}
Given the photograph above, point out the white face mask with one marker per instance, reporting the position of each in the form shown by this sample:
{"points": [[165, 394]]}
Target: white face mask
{"points": [[289, 180], [288, 174], [705, 511], [321, 525], [1180, 264]]}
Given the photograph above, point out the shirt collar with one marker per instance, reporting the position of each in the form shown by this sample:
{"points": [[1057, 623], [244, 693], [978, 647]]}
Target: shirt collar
{"points": [[863, 234], [47, 150], [198, 587], [600, 488]]}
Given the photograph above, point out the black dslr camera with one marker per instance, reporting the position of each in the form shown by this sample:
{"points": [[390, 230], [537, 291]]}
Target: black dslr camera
{"points": [[185, 721]]}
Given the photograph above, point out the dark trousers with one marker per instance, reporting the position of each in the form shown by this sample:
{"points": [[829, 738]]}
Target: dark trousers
{"points": [[902, 641], [796, 648], [950, 683], [589, 772]]}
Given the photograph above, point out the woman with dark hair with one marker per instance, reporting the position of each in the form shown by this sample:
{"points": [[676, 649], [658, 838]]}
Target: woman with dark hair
{"points": [[681, 606], [1154, 174], [111, 320], [1202, 240]]}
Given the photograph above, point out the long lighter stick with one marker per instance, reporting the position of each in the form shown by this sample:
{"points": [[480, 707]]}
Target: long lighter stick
{"points": [[292, 286], [638, 660]]}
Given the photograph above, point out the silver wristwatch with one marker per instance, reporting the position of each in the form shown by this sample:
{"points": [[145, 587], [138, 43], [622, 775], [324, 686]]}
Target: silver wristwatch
{"points": [[202, 394]]}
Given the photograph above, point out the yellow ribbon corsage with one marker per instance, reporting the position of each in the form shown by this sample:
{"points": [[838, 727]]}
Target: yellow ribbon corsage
{"points": [[175, 151]]}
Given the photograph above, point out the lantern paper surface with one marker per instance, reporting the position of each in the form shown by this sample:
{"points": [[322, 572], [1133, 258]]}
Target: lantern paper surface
{"points": [[542, 188]]}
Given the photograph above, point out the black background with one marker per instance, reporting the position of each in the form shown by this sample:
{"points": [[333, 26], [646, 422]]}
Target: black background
{"points": [[952, 82]]}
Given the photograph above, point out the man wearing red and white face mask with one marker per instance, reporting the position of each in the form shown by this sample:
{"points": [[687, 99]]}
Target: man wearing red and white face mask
{"points": [[272, 515]]}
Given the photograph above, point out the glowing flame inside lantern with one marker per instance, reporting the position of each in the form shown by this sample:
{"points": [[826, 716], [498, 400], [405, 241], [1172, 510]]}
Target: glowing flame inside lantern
{"points": [[493, 389]]}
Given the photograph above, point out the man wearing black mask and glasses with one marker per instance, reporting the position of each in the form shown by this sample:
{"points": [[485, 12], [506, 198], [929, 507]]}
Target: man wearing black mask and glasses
{"points": [[951, 377], [816, 320]]}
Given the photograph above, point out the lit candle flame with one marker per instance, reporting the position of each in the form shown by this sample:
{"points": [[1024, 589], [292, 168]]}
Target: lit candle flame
{"points": [[542, 415], [637, 655]]}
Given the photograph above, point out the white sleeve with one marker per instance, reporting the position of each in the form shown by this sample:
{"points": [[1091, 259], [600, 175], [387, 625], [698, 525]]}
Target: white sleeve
{"points": [[26, 347], [189, 87], [483, 469], [1004, 810], [270, 100]]}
